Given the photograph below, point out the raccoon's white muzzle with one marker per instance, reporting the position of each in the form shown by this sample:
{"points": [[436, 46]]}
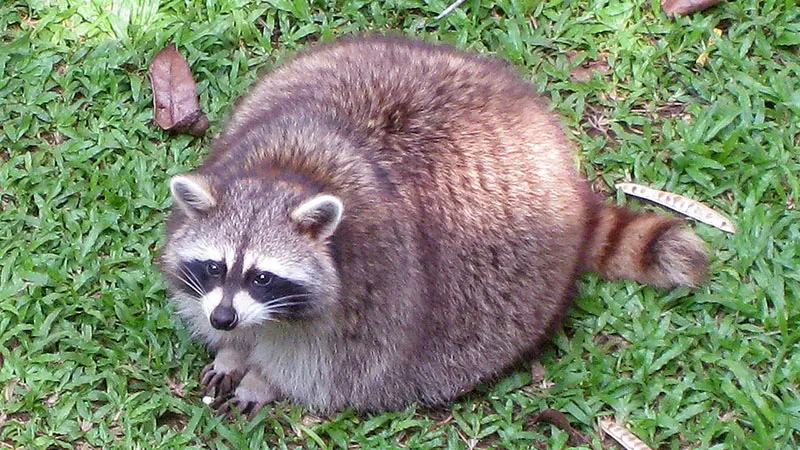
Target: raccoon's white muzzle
{"points": [[242, 310]]}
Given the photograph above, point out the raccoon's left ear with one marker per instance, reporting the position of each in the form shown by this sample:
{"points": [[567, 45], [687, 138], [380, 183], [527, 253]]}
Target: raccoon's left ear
{"points": [[319, 216]]}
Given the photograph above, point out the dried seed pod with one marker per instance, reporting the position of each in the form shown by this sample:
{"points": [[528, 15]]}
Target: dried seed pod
{"points": [[686, 206], [622, 435]]}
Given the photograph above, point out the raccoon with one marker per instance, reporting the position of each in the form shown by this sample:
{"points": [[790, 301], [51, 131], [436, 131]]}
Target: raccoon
{"points": [[385, 221]]}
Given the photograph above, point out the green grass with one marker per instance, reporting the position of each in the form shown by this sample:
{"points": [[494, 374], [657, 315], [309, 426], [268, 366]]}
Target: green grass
{"points": [[91, 357]]}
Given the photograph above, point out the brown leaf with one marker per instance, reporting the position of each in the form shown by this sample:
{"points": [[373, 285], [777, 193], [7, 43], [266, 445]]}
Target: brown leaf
{"points": [[175, 104], [683, 7], [584, 71], [538, 373], [557, 418]]}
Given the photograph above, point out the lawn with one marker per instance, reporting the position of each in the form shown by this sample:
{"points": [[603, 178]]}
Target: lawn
{"points": [[706, 106]]}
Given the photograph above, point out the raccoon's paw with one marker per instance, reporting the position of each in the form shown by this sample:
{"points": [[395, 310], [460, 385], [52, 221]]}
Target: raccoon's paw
{"points": [[250, 397], [219, 384], [679, 257], [222, 376]]}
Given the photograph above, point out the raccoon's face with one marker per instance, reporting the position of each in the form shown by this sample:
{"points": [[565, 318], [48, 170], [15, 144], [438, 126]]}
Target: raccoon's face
{"points": [[247, 256]]}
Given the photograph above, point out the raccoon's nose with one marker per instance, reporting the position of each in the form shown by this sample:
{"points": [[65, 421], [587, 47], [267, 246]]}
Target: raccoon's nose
{"points": [[223, 318]]}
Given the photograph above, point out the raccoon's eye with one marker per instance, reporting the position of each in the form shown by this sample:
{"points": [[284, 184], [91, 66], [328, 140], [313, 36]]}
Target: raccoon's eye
{"points": [[262, 279], [213, 269]]}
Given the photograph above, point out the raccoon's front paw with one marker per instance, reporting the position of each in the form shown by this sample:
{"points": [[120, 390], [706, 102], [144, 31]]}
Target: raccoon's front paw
{"points": [[222, 376], [219, 384], [252, 394]]}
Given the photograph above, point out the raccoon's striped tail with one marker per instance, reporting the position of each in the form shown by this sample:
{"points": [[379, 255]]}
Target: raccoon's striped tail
{"points": [[646, 247]]}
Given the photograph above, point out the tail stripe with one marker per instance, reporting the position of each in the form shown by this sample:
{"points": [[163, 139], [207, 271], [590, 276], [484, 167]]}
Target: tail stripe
{"points": [[620, 220], [650, 253]]}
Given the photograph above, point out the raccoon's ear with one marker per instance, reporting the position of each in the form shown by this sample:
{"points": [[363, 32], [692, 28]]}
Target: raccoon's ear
{"points": [[191, 194], [319, 216]]}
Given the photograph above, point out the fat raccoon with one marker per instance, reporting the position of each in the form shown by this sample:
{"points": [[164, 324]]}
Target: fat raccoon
{"points": [[384, 221]]}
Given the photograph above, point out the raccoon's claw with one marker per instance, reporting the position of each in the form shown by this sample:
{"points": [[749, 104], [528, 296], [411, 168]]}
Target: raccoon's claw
{"points": [[204, 373], [218, 404], [236, 406], [222, 407], [221, 384], [250, 397]]}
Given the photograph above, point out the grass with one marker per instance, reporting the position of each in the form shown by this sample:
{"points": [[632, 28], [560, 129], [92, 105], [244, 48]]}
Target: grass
{"points": [[705, 105]]}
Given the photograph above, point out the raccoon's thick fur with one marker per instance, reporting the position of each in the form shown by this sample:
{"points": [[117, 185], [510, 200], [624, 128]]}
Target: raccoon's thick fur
{"points": [[385, 221]]}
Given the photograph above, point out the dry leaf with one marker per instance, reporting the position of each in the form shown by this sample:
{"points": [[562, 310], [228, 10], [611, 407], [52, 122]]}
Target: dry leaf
{"points": [[8, 393], [175, 387], [51, 400], [557, 418], [538, 372], [85, 425], [584, 71], [685, 206], [622, 435], [175, 104], [683, 7], [309, 420], [703, 58]]}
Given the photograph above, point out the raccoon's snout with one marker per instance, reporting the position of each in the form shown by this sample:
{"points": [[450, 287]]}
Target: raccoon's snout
{"points": [[223, 318]]}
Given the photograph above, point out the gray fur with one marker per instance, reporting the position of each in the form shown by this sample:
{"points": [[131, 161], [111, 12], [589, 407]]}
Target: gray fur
{"points": [[464, 223]]}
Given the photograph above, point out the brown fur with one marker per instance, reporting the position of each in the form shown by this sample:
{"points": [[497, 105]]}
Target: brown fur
{"points": [[648, 248], [465, 223]]}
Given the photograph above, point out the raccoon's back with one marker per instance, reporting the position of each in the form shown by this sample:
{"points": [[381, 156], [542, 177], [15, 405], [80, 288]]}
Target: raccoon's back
{"points": [[405, 99]]}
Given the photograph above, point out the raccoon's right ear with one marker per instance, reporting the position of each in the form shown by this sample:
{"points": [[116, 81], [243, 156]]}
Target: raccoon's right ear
{"points": [[319, 216], [191, 194]]}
